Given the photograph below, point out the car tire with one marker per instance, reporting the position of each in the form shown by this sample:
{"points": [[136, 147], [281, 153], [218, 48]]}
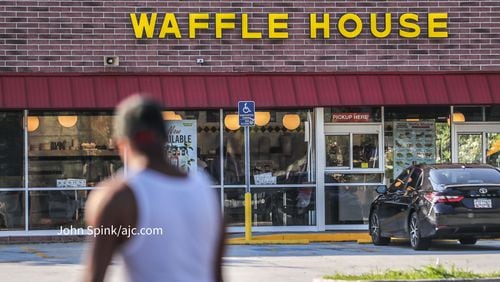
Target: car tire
{"points": [[375, 231], [467, 241], [417, 242]]}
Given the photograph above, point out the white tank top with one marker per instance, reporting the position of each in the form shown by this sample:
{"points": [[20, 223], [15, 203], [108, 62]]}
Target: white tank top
{"points": [[187, 211]]}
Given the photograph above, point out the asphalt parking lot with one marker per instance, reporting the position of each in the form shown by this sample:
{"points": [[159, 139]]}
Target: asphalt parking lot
{"points": [[62, 261]]}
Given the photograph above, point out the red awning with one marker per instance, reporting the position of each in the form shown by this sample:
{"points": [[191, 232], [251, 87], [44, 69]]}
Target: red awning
{"points": [[199, 91]]}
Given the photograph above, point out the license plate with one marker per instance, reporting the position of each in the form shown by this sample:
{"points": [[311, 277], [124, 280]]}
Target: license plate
{"points": [[482, 203]]}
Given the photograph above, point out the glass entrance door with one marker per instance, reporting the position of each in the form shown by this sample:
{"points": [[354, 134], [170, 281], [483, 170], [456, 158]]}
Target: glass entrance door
{"points": [[477, 143]]}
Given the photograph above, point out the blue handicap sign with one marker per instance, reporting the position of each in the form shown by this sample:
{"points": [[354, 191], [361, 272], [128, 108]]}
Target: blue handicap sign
{"points": [[246, 113]]}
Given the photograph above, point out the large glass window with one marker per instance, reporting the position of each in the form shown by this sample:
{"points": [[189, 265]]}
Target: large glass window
{"points": [[70, 150], [352, 151], [57, 208], [272, 206], [415, 135], [12, 210], [281, 149], [11, 150], [208, 139], [233, 151], [12, 207], [348, 204]]}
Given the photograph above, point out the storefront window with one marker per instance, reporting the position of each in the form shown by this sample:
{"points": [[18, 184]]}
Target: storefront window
{"points": [[11, 171], [11, 150], [492, 113], [272, 206], [363, 153], [338, 151], [208, 139], [11, 210], [348, 204], [281, 149], [493, 153], [467, 114], [70, 150], [233, 151], [234, 206], [353, 114], [415, 135], [470, 148], [56, 209], [334, 177]]}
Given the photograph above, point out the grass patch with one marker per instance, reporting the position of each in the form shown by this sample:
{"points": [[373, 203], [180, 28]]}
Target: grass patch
{"points": [[426, 272]]}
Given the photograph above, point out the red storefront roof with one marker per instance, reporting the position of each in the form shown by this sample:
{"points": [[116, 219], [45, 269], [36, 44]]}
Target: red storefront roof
{"points": [[190, 91]]}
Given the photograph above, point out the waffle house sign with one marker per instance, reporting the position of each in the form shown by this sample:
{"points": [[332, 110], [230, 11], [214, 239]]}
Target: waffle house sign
{"points": [[321, 26]]}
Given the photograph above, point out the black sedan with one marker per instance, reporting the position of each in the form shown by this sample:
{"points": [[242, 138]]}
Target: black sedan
{"points": [[445, 201]]}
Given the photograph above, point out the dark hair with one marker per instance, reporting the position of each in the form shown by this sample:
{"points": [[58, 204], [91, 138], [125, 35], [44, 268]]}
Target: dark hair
{"points": [[139, 114]]}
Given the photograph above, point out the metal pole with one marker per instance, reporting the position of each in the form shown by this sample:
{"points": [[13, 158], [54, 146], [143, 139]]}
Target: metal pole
{"points": [[248, 195]]}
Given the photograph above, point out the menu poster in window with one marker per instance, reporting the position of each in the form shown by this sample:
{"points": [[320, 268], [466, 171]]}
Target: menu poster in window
{"points": [[414, 143], [181, 147]]}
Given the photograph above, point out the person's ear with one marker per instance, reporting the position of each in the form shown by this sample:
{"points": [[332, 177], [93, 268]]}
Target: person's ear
{"points": [[122, 145]]}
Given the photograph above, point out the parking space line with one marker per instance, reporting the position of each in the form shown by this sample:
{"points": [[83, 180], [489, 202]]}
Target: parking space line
{"points": [[35, 252]]}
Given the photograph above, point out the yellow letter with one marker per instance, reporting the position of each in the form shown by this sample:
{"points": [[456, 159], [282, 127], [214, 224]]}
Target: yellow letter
{"points": [[414, 29], [170, 26], [315, 25], [357, 29], [433, 25], [273, 26], [373, 25], [143, 25], [194, 24], [220, 24], [245, 34]]}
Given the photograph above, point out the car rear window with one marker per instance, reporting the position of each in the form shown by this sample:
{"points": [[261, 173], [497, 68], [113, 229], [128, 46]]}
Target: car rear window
{"points": [[465, 176]]}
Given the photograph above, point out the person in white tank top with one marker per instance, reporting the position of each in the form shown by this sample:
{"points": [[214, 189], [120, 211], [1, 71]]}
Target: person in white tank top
{"points": [[180, 210]]}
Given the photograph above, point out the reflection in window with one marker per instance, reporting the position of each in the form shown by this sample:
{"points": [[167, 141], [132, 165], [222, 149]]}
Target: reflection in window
{"points": [[234, 157], [11, 150], [365, 151], [53, 209], [11, 210], [280, 152], [493, 153], [348, 204], [337, 151], [332, 177], [470, 148], [272, 206], [69, 150]]}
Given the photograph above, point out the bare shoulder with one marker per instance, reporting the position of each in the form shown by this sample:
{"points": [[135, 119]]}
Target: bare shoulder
{"points": [[111, 201]]}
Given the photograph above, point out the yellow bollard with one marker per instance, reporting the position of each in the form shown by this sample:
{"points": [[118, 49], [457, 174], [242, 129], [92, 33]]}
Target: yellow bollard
{"points": [[248, 216]]}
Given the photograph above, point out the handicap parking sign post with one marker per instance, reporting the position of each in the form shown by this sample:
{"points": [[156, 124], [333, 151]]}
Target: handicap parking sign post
{"points": [[246, 117], [246, 113]]}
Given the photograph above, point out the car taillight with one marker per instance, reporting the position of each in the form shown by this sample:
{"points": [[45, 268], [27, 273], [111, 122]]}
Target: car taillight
{"points": [[435, 197]]}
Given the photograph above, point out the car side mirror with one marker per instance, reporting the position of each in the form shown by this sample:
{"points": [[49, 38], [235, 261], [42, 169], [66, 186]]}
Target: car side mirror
{"points": [[381, 189]]}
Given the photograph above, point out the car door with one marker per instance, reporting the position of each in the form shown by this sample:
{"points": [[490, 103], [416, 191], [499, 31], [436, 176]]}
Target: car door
{"points": [[405, 201], [390, 206]]}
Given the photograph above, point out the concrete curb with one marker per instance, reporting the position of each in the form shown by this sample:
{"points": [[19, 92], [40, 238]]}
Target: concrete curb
{"points": [[302, 238]]}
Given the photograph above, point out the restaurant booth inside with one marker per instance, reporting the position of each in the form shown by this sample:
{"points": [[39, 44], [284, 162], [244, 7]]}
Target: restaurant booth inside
{"points": [[321, 145]]}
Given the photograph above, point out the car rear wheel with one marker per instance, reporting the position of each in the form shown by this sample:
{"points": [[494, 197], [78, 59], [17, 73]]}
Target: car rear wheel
{"points": [[468, 241], [375, 231], [416, 241]]}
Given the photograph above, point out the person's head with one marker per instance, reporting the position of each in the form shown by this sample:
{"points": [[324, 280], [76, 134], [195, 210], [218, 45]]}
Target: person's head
{"points": [[139, 128]]}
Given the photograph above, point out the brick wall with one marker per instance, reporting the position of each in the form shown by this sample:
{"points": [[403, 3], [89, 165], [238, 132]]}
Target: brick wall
{"points": [[74, 36]]}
